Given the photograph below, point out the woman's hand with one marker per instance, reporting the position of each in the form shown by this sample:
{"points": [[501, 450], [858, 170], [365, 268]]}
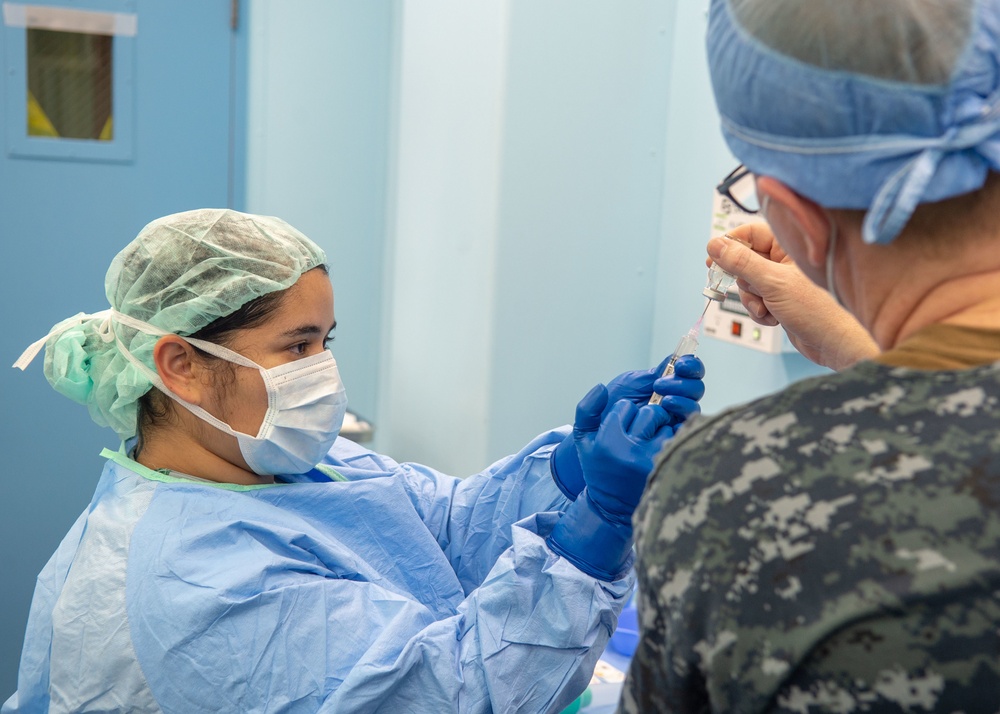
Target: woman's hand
{"points": [[775, 292]]}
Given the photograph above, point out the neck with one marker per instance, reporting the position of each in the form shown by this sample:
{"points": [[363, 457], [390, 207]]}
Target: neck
{"points": [[971, 300], [176, 449], [898, 289], [903, 287]]}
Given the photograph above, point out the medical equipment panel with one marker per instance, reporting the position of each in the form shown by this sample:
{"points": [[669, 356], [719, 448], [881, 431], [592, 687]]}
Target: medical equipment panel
{"points": [[727, 319]]}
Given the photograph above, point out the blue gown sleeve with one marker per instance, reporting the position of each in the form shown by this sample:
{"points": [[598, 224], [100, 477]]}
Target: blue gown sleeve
{"points": [[295, 622], [470, 518]]}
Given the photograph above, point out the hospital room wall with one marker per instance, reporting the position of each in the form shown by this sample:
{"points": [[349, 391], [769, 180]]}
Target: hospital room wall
{"points": [[318, 109], [515, 197], [525, 210], [579, 221], [551, 182]]}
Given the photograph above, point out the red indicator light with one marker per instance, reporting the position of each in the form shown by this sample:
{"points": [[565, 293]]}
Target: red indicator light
{"points": [[737, 329]]}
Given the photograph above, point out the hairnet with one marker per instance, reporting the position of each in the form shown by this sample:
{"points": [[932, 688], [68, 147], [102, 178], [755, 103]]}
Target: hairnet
{"points": [[878, 106], [180, 274]]}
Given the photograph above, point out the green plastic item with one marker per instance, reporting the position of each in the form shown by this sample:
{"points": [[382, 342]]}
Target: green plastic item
{"points": [[580, 702]]}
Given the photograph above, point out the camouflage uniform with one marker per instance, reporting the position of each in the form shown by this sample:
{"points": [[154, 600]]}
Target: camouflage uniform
{"points": [[834, 547]]}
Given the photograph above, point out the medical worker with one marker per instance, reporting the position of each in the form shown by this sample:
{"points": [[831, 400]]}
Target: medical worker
{"points": [[835, 547], [238, 557]]}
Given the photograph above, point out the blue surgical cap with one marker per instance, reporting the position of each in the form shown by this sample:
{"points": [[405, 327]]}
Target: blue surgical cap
{"points": [[878, 105]]}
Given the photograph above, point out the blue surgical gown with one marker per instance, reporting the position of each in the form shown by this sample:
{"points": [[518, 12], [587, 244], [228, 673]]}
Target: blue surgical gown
{"points": [[363, 586]]}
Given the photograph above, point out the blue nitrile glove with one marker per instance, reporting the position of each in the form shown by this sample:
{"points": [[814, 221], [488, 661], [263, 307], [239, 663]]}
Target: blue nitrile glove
{"points": [[595, 532], [681, 392]]}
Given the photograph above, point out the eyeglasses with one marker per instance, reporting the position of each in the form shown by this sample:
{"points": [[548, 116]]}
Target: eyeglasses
{"points": [[739, 187]]}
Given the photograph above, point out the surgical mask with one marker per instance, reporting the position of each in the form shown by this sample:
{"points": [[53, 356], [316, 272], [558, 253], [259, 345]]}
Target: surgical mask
{"points": [[306, 404]]}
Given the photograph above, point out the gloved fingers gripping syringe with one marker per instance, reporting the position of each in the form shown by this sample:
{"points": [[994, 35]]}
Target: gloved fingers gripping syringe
{"points": [[718, 284], [687, 346]]}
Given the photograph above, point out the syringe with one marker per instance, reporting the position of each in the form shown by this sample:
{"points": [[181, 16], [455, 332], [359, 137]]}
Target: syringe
{"points": [[719, 282], [687, 346]]}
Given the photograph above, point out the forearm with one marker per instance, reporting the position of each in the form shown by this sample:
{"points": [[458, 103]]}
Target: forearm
{"points": [[833, 337]]}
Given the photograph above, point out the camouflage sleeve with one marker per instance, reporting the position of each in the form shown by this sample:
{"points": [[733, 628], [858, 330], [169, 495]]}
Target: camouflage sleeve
{"points": [[834, 547]]}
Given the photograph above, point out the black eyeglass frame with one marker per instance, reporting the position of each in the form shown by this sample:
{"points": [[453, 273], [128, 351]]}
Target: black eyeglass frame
{"points": [[736, 175]]}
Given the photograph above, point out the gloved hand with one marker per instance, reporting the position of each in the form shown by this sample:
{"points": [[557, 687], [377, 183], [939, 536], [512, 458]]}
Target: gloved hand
{"points": [[595, 532], [681, 392]]}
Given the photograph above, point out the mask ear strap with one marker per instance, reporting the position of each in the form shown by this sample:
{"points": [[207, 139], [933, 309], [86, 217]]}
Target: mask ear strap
{"points": [[154, 377], [210, 347], [765, 204], [831, 256]]}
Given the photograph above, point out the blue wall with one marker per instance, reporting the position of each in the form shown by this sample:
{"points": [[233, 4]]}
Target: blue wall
{"points": [[526, 185], [442, 233], [316, 153], [61, 223], [551, 186], [579, 222]]}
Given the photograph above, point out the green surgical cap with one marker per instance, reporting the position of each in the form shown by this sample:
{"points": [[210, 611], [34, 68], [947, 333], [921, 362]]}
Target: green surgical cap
{"points": [[180, 274]]}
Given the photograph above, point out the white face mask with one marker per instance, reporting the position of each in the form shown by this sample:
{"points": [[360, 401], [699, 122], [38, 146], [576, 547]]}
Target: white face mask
{"points": [[306, 403]]}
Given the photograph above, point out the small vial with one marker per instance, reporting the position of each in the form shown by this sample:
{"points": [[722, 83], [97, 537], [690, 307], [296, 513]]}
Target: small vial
{"points": [[719, 281]]}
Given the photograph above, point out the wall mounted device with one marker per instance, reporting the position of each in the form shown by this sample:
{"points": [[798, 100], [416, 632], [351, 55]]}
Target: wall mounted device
{"points": [[727, 319]]}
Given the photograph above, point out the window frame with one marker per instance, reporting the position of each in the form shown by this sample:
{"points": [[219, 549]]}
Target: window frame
{"points": [[113, 14]]}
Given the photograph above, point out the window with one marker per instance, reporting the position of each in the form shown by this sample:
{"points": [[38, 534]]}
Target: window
{"points": [[69, 76], [69, 85]]}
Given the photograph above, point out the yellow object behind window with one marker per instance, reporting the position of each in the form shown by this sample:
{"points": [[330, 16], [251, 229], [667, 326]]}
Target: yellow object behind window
{"points": [[38, 122]]}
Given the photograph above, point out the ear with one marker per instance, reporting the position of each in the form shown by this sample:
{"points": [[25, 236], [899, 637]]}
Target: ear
{"points": [[180, 369], [805, 217]]}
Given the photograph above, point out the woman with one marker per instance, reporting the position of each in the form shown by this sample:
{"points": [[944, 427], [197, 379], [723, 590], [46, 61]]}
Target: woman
{"points": [[216, 570]]}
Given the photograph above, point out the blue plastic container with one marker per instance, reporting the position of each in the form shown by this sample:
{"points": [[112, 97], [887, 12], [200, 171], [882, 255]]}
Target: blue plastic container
{"points": [[626, 637]]}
